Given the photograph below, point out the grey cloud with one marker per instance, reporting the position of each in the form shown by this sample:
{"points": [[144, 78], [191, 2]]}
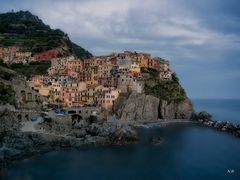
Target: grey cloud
{"points": [[201, 38]]}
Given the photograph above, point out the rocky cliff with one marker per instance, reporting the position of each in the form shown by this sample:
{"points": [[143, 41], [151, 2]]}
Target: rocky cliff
{"points": [[141, 108], [160, 100], [136, 107], [175, 110]]}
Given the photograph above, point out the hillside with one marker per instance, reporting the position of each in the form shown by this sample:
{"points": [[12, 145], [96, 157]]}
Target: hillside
{"points": [[28, 32]]}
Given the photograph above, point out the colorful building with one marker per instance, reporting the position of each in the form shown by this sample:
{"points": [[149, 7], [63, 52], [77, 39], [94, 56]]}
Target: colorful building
{"points": [[106, 97]]}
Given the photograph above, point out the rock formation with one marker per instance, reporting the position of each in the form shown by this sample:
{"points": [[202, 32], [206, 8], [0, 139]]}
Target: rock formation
{"points": [[136, 107], [16, 144], [161, 99], [206, 119], [174, 110], [141, 107]]}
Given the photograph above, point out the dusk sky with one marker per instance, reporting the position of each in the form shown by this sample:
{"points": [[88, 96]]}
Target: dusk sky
{"points": [[200, 38]]}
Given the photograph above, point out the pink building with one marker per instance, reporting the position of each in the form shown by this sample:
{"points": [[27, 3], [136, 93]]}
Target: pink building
{"points": [[106, 98], [70, 97]]}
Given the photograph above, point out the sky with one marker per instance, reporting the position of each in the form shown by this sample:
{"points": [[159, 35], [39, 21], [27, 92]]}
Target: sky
{"points": [[200, 38]]}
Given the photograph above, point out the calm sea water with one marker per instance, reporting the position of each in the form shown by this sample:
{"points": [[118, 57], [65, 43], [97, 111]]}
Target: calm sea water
{"points": [[188, 152], [224, 110]]}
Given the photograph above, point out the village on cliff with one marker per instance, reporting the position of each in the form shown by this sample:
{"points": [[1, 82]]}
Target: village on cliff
{"points": [[97, 81]]}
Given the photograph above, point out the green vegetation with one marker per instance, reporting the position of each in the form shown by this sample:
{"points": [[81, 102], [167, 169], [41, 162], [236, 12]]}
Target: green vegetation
{"points": [[33, 68], [6, 75], [28, 69], [170, 91], [28, 32], [80, 52], [151, 71], [7, 94], [174, 77], [2, 63]]}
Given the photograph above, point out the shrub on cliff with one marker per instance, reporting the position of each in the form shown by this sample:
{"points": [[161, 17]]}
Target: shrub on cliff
{"points": [[7, 94], [2, 63], [171, 91], [33, 68]]}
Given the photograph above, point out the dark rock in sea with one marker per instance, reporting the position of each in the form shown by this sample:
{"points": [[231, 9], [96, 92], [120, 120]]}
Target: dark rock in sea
{"points": [[238, 127], [218, 125], [205, 119], [230, 127], [204, 115], [156, 140], [194, 116]]}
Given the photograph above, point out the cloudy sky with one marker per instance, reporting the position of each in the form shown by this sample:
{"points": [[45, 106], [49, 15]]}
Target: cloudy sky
{"points": [[200, 38]]}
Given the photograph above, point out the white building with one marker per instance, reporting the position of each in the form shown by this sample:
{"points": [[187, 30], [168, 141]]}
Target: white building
{"points": [[128, 83]]}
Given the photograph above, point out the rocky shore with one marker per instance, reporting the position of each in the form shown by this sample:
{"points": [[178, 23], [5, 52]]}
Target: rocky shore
{"points": [[205, 119], [16, 144]]}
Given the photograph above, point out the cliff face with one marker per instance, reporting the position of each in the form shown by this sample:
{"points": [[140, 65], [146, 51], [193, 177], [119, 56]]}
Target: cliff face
{"points": [[136, 107], [160, 100], [141, 107], [173, 110]]}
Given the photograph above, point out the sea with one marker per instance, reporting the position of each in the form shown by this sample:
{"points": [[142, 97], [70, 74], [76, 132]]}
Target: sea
{"points": [[188, 151]]}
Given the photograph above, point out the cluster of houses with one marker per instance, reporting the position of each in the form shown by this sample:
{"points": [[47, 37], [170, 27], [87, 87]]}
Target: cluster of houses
{"points": [[96, 81], [11, 55]]}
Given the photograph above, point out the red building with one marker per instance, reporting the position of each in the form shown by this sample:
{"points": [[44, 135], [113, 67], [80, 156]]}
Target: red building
{"points": [[48, 55]]}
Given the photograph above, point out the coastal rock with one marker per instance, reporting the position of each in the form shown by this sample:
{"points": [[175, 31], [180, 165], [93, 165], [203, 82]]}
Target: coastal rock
{"points": [[96, 141], [173, 110], [206, 119], [156, 140], [124, 136], [204, 115], [78, 133], [218, 125], [141, 107], [137, 107], [16, 144], [230, 127]]}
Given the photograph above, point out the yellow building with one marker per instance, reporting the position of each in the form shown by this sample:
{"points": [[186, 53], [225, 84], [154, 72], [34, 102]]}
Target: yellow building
{"points": [[42, 89], [135, 68], [88, 95], [75, 65]]}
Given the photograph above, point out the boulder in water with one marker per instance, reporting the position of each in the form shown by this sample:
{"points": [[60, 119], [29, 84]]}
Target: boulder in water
{"points": [[156, 140]]}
